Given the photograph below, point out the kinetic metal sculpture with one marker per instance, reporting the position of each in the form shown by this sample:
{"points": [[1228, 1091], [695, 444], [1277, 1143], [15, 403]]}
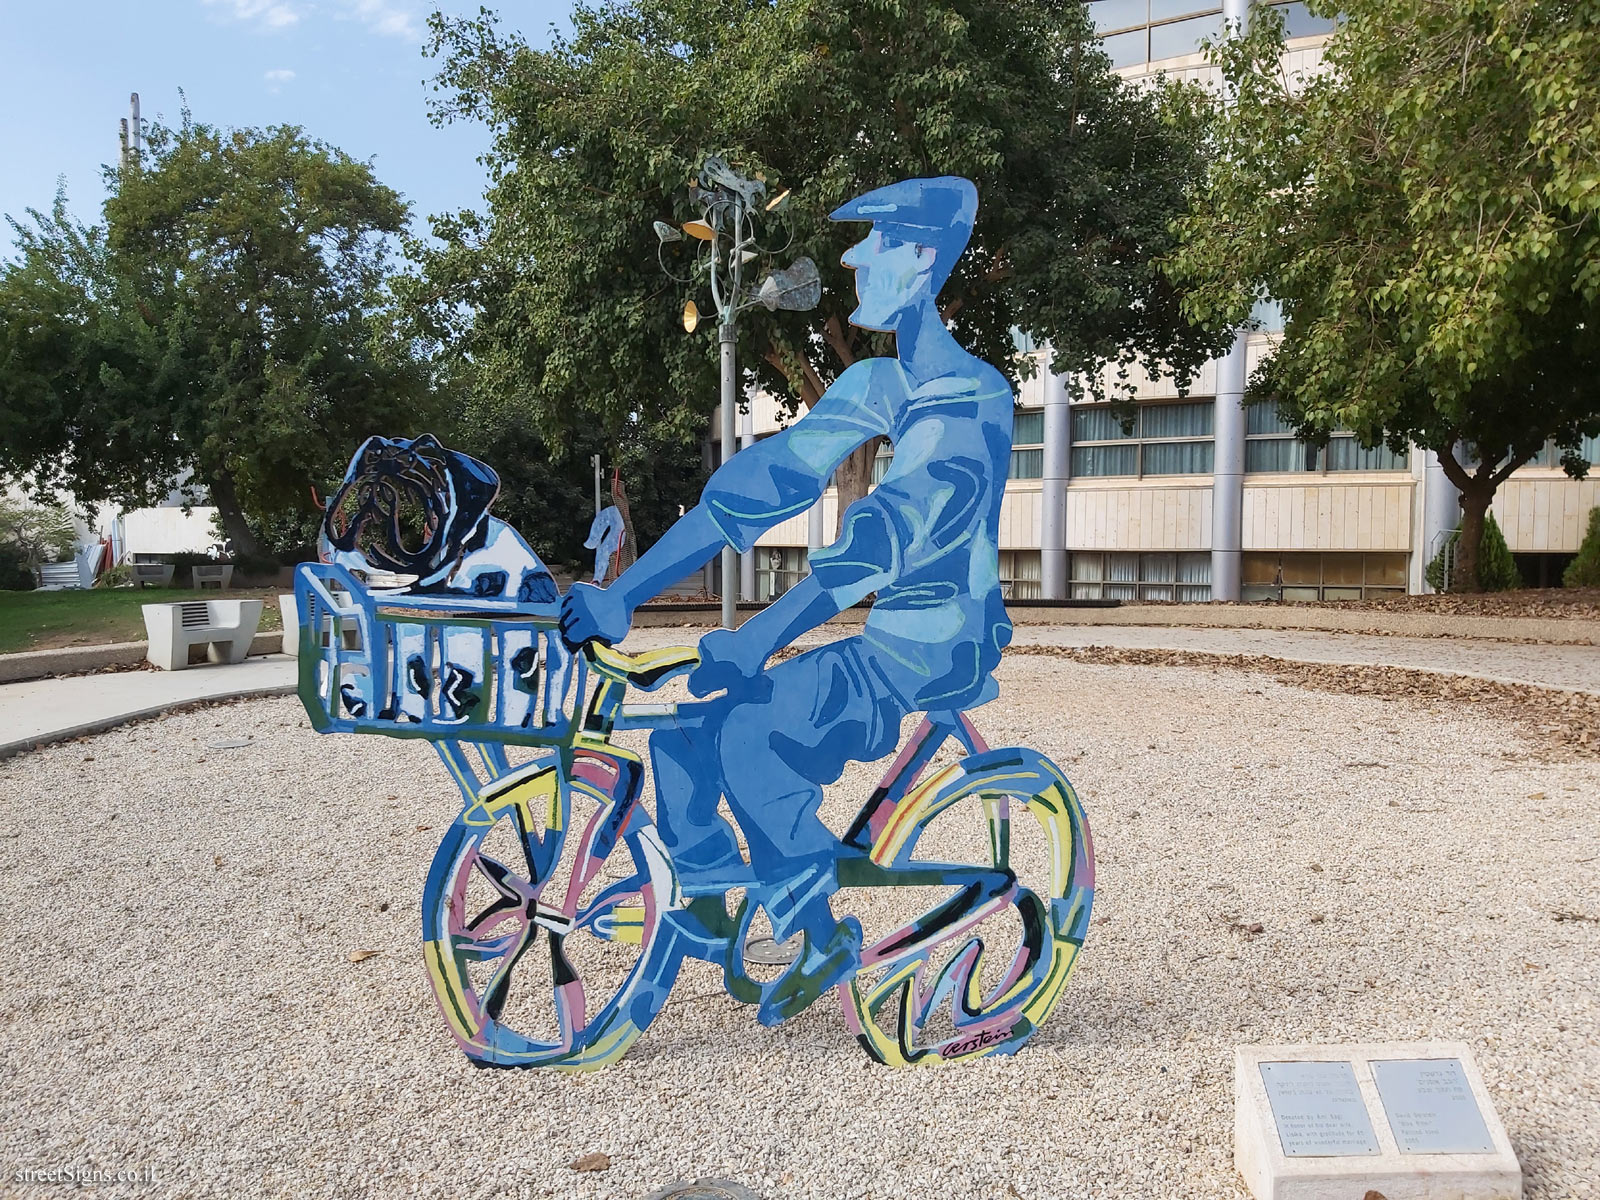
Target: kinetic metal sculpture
{"points": [[471, 648]]}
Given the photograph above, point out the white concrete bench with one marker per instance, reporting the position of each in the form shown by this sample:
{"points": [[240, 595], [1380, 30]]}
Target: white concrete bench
{"points": [[289, 609], [219, 575], [151, 574], [224, 627]]}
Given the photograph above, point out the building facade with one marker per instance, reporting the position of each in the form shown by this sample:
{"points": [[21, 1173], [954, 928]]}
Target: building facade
{"points": [[1203, 497]]}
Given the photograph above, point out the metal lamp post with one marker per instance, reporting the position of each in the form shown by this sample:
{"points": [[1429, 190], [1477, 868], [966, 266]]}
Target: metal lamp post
{"points": [[730, 204]]}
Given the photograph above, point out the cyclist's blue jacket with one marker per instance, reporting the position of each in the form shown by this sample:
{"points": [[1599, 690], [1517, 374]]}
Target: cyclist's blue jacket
{"points": [[925, 539]]}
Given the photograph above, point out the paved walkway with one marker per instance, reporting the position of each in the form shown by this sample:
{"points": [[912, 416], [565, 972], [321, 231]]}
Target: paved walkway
{"points": [[49, 710]]}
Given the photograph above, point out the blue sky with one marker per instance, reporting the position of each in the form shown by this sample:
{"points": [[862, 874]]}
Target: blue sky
{"points": [[351, 72]]}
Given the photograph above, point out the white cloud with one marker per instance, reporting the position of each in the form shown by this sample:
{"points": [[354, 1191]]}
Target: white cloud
{"points": [[279, 75], [390, 18], [393, 18], [268, 14]]}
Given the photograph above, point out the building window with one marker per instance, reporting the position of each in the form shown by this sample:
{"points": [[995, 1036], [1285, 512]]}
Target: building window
{"points": [[1166, 439], [1150, 576], [1550, 456], [1027, 444], [1134, 32], [881, 461], [1271, 446], [1300, 576], [778, 568], [1020, 575]]}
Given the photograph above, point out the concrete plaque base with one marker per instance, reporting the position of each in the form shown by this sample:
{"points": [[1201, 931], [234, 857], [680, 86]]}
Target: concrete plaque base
{"points": [[1299, 1133]]}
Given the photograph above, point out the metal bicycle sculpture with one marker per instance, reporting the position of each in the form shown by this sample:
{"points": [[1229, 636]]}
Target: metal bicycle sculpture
{"points": [[561, 904]]}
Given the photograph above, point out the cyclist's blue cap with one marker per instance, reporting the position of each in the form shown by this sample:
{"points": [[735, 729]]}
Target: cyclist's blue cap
{"points": [[935, 212]]}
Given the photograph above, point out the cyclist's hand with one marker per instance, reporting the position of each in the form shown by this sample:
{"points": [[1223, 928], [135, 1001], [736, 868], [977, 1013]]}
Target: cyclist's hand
{"points": [[727, 663], [591, 614]]}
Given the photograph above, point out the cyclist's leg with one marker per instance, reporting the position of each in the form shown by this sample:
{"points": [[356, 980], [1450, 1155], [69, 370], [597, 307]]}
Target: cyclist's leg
{"points": [[826, 709], [688, 785]]}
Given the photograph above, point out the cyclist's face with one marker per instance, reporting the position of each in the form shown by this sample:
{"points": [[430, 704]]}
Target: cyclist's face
{"points": [[892, 275]]}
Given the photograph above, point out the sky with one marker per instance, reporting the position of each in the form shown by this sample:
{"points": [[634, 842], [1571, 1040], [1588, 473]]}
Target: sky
{"points": [[351, 72]]}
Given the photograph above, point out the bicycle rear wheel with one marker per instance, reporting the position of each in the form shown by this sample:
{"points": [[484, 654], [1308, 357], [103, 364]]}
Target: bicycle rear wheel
{"points": [[591, 874], [997, 928]]}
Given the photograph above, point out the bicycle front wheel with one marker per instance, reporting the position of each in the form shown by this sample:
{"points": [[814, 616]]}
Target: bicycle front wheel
{"points": [[590, 874], [993, 867]]}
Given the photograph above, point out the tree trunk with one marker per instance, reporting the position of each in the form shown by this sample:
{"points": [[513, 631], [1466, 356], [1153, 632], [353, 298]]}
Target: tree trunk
{"points": [[241, 542], [853, 478], [1469, 550]]}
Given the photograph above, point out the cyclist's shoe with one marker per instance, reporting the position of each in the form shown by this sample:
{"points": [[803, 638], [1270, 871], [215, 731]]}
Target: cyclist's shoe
{"points": [[816, 971]]}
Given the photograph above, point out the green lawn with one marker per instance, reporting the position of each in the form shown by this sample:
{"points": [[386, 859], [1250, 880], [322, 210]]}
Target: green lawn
{"points": [[50, 620]]}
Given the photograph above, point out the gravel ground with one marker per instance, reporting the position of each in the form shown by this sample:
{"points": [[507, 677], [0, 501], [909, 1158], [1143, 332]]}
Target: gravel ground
{"points": [[177, 993]]}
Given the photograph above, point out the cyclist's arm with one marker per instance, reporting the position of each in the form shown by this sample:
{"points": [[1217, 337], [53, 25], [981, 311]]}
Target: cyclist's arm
{"points": [[764, 484], [867, 556]]}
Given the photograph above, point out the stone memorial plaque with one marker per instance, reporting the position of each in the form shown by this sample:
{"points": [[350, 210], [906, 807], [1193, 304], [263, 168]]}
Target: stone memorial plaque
{"points": [[1430, 1106], [1318, 1110], [1339, 1122]]}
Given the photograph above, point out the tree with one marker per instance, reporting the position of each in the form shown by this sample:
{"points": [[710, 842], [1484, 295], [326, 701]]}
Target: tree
{"points": [[547, 492], [1584, 570], [555, 295], [1427, 210], [35, 533], [1497, 567], [230, 318]]}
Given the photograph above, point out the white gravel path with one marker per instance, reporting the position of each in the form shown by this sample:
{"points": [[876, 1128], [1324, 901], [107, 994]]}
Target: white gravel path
{"points": [[175, 990]]}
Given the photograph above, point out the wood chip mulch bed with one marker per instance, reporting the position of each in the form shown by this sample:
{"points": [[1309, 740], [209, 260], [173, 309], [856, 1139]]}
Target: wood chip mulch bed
{"points": [[1569, 721]]}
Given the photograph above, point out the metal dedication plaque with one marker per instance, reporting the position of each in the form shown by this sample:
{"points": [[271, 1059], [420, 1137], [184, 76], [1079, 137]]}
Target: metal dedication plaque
{"points": [[1430, 1106], [1317, 1109]]}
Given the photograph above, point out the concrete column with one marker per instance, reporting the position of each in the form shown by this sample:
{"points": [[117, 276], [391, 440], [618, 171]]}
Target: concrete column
{"points": [[747, 560], [816, 538], [1441, 512], [1057, 468], [1227, 479]]}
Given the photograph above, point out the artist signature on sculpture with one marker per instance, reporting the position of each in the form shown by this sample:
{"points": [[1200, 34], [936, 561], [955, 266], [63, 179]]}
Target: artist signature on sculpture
{"points": [[975, 1043]]}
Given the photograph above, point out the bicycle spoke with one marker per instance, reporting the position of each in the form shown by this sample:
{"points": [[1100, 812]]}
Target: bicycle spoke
{"points": [[507, 882], [571, 1005], [499, 986]]}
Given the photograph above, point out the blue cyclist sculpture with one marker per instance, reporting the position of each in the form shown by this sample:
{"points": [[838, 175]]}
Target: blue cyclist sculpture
{"points": [[922, 544]]}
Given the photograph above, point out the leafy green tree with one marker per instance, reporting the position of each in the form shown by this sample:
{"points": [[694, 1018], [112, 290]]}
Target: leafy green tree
{"points": [[547, 492], [1497, 568], [555, 295], [1427, 210], [1584, 571], [35, 533], [230, 318]]}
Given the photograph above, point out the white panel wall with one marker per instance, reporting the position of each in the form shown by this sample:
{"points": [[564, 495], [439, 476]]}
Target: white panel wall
{"points": [[1142, 517], [793, 531], [1334, 516], [1545, 512], [1022, 516], [168, 530], [766, 412]]}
